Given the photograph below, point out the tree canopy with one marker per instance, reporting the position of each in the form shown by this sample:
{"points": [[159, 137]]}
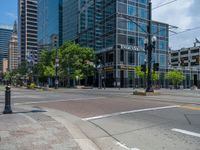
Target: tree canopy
{"points": [[175, 76], [140, 73]]}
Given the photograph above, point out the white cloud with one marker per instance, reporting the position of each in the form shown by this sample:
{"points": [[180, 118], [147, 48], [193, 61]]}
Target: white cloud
{"points": [[12, 15], [182, 13], [6, 26]]}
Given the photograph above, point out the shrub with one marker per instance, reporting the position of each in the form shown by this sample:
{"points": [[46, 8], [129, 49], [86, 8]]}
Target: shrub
{"points": [[32, 86]]}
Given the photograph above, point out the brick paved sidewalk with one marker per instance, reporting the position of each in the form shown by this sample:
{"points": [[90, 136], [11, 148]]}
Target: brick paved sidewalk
{"points": [[33, 130]]}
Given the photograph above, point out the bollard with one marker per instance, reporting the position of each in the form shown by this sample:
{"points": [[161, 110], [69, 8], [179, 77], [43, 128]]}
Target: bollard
{"points": [[7, 109]]}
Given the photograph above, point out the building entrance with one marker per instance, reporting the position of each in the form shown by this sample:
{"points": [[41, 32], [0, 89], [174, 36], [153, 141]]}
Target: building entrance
{"points": [[195, 80]]}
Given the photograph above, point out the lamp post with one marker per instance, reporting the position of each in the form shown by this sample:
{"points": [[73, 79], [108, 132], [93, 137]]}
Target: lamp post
{"points": [[149, 46], [99, 67], [145, 69], [56, 70]]}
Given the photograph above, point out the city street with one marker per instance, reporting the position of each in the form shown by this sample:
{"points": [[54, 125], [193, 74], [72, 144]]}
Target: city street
{"points": [[168, 121]]}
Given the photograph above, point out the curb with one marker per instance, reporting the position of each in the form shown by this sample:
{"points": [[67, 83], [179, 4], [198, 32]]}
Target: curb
{"points": [[87, 135]]}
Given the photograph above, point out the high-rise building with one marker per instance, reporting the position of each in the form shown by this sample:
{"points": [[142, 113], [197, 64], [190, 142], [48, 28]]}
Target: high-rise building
{"points": [[116, 30], [28, 29], [49, 24], [13, 52], [5, 34]]}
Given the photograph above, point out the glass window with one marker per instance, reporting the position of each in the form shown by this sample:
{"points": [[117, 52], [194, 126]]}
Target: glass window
{"points": [[122, 55], [141, 58], [142, 28], [131, 40], [154, 59], [142, 13], [122, 24], [109, 41], [130, 57], [131, 10], [162, 31], [122, 39], [154, 29], [142, 1], [122, 8], [131, 26], [163, 45], [141, 42], [163, 60]]}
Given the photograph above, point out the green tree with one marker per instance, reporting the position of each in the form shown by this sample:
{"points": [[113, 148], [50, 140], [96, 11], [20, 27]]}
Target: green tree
{"points": [[74, 60], [175, 76], [139, 72], [7, 76], [155, 76], [46, 64], [22, 69]]}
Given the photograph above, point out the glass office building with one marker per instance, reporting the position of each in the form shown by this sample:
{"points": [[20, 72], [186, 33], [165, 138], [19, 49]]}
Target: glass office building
{"points": [[49, 24], [116, 30], [5, 35]]}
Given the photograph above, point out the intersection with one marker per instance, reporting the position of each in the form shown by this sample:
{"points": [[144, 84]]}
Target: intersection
{"points": [[132, 122]]}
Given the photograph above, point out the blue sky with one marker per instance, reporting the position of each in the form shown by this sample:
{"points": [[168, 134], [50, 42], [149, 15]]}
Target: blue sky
{"points": [[8, 12]]}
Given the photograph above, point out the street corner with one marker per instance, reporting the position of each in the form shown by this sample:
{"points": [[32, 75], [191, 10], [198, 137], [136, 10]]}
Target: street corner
{"points": [[31, 129]]}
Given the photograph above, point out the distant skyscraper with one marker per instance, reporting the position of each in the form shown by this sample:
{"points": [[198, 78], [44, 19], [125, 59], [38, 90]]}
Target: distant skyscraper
{"points": [[70, 19], [5, 65], [13, 53], [28, 29], [5, 35], [49, 23]]}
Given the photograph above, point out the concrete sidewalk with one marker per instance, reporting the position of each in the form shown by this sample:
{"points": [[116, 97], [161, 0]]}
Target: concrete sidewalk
{"points": [[33, 130]]}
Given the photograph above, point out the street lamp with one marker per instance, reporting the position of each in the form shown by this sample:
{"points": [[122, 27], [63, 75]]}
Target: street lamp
{"points": [[99, 68], [56, 70], [145, 69], [149, 46]]}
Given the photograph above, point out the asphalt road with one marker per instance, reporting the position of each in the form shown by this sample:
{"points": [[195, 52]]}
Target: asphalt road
{"points": [[170, 121]]}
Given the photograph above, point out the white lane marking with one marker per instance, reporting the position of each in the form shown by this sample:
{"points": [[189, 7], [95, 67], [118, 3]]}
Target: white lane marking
{"points": [[74, 99], [124, 146], [186, 132], [128, 112]]}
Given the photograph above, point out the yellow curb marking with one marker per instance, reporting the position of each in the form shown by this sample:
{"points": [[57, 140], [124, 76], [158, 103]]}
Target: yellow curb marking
{"points": [[190, 107]]}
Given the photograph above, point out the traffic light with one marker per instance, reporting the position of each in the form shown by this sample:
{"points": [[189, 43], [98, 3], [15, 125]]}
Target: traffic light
{"points": [[197, 60], [156, 67], [143, 68]]}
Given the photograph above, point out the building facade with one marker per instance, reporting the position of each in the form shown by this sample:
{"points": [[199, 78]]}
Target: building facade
{"points": [[49, 24], [5, 35], [13, 52], [188, 61], [5, 65], [28, 29], [116, 30]]}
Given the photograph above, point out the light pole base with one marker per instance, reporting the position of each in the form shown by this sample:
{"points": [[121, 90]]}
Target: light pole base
{"points": [[7, 110]]}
